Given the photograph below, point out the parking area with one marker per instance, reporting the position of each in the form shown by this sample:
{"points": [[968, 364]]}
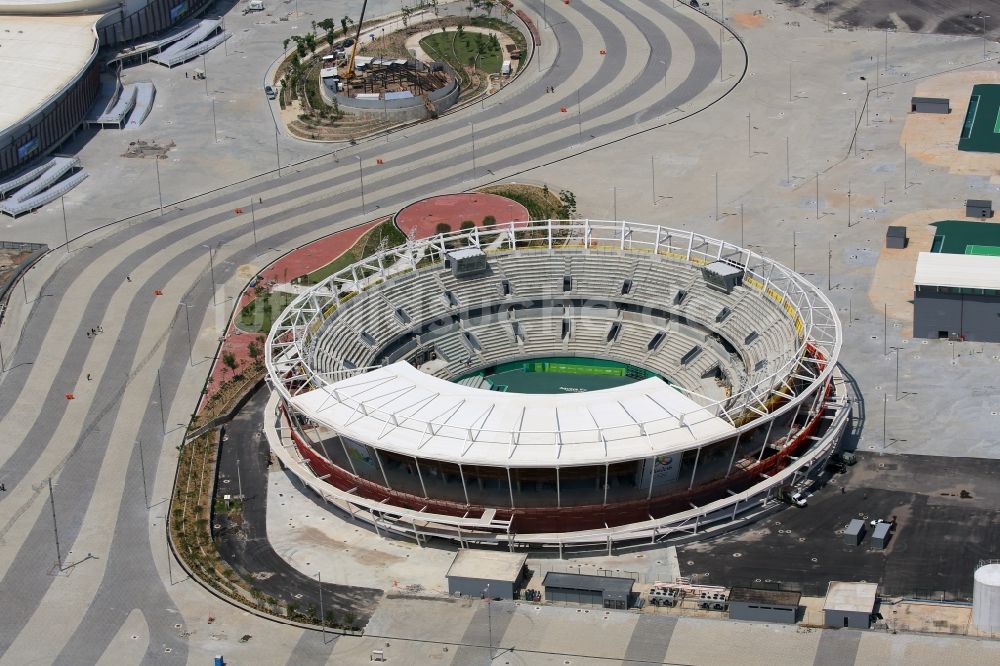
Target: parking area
{"points": [[947, 520]]}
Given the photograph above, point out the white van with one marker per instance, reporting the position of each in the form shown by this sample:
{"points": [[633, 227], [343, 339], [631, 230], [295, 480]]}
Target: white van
{"points": [[256, 5], [505, 68]]}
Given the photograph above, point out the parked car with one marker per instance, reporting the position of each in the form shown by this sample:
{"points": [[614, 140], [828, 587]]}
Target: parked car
{"points": [[347, 43], [269, 92]]}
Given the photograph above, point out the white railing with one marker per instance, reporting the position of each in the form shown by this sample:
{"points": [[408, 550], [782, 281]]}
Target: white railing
{"points": [[811, 314]]}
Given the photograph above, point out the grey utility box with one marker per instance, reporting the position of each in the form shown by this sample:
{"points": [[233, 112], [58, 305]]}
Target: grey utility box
{"points": [[855, 532], [880, 535], [981, 208], [930, 105], [895, 238]]}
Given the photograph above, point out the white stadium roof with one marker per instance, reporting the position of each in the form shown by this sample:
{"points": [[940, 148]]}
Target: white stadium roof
{"points": [[401, 409], [961, 271], [39, 55]]}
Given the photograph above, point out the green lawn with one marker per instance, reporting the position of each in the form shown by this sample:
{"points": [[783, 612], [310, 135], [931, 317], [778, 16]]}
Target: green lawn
{"points": [[461, 50], [366, 245], [260, 313]]}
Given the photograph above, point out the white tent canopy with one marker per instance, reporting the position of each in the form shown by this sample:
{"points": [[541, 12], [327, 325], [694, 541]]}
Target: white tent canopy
{"points": [[401, 409]]}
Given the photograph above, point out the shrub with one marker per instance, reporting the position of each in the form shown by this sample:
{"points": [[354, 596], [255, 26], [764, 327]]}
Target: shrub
{"points": [[489, 221], [467, 224], [442, 228]]}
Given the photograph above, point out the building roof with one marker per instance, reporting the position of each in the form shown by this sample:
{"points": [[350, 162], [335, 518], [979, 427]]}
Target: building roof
{"points": [[614, 585], [979, 203], [487, 564], [772, 597], [896, 231], [850, 597], [399, 408], [966, 271], [465, 252], [39, 56], [929, 100], [723, 268]]}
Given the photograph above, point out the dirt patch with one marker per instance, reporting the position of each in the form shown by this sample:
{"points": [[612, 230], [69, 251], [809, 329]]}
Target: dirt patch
{"points": [[745, 20], [933, 138], [892, 286], [365, 556], [10, 259], [423, 217]]}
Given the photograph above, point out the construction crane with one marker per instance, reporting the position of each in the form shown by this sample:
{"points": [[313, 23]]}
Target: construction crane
{"points": [[349, 74]]}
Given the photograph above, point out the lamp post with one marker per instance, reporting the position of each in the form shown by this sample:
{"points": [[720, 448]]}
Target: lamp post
{"points": [[159, 190], [984, 17], [361, 177], [473, 151], [211, 269], [187, 321], [253, 226], [142, 469], [489, 616], [62, 201]]}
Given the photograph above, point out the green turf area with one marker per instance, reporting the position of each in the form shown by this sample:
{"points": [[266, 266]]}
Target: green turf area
{"points": [[561, 375], [260, 313], [956, 236], [978, 133], [983, 250], [367, 245], [467, 48]]}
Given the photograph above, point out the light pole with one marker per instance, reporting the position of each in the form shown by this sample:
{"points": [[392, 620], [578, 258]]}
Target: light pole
{"points": [[62, 201], [187, 321], [322, 615], [2, 365], [652, 172], [239, 480], [215, 127], [473, 151], [984, 17], [277, 156], [794, 246], [253, 226], [665, 68], [897, 350], [361, 177], [489, 615], [204, 70], [55, 525], [142, 469], [211, 270], [159, 190], [579, 116]]}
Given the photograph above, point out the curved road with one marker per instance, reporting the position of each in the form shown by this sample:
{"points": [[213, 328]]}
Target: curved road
{"points": [[114, 576]]}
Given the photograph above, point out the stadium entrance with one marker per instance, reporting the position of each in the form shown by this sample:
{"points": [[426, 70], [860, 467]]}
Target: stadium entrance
{"points": [[557, 374]]}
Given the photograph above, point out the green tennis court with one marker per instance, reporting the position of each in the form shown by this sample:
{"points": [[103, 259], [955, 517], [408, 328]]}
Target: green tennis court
{"points": [[560, 375], [978, 133], [961, 237], [984, 250]]}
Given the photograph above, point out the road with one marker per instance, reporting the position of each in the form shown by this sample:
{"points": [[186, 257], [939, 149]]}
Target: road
{"points": [[113, 576]]}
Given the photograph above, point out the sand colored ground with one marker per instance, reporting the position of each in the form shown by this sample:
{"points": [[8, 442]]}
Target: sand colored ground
{"points": [[892, 285], [747, 20], [933, 138]]}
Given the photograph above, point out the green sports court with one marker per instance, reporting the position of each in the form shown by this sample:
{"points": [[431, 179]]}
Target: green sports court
{"points": [[961, 237], [981, 129], [559, 374]]}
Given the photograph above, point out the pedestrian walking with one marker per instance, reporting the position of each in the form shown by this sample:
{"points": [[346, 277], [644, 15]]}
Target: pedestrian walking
{"points": [[88, 376], [88, 335], [93, 331], [100, 330], [128, 277], [3, 487], [260, 200]]}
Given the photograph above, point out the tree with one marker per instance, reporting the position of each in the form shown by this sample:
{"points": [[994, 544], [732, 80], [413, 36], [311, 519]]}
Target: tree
{"points": [[229, 360], [567, 209], [442, 228], [253, 350], [344, 22], [466, 225], [406, 12], [489, 221], [284, 44]]}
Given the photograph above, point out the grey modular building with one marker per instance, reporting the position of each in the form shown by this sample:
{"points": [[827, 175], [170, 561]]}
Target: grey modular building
{"points": [[930, 105], [747, 603], [601, 591], [850, 604], [957, 296], [895, 238], [486, 573], [978, 208]]}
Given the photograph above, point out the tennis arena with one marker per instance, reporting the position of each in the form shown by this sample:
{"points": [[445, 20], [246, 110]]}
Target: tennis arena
{"points": [[572, 384]]}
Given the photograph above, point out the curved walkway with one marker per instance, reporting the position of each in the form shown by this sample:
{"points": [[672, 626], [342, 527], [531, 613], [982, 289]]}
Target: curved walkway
{"points": [[142, 283]]}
